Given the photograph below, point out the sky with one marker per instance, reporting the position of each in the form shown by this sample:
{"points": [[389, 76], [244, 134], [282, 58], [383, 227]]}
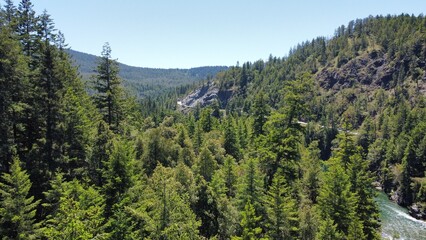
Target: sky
{"points": [[193, 33]]}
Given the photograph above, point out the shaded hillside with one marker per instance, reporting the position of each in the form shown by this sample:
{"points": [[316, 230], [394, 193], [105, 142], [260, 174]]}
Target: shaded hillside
{"points": [[147, 81]]}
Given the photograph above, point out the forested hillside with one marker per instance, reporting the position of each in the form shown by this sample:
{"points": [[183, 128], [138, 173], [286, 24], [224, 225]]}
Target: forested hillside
{"points": [[104, 166], [147, 82]]}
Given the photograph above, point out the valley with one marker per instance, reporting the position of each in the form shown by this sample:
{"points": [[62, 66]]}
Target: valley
{"points": [[288, 147]]}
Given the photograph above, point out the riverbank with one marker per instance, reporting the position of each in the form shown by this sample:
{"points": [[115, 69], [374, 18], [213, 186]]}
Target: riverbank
{"points": [[397, 223]]}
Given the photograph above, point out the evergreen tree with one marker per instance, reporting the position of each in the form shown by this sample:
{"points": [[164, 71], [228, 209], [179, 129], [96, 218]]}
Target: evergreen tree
{"points": [[249, 224], [308, 220], [328, 231], [100, 153], [229, 175], [118, 173], [250, 188], [78, 214], [206, 120], [186, 153], [282, 222], [170, 215], [335, 200], [260, 114], [405, 182], [356, 230], [346, 148], [45, 28], [367, 212], [17, 208], [310, 166], [206, 209], [14, 87], [109, 93], [10, 13], [206, 164], [243, 135], [231, 142], [27, 27], [282, 144]]}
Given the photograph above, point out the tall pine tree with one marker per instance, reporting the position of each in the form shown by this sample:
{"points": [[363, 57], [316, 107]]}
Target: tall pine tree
{"points": [[109, 93]]}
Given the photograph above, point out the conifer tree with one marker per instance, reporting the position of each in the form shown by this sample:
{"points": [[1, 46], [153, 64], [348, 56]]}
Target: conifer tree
{"points": [[231, 142], [328, 230], [100, 153], [405, 182], [78, 213], [118, 173], [260, 114], [335, 200], [109, 93], [250, 188], [10, 12], [308, 220], [367, 212], [356, 230], [250, 224], [346, 148], [310, 166], [206, 209], [229, 175], [206, 120], [282, 222], [170, 215], [186, 153], [14, 87], [27, 27], [17, 208], [206, 164]]}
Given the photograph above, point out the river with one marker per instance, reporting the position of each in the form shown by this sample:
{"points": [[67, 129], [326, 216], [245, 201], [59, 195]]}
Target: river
{"points": [[397, 223]]}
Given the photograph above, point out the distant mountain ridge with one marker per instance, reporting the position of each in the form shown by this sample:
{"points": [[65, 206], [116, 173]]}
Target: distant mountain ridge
{"points": [[147, 81]]}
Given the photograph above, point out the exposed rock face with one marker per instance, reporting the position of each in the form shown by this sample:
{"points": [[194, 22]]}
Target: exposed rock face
{"points": [[202, 96], [369, 69], [417, 211]]}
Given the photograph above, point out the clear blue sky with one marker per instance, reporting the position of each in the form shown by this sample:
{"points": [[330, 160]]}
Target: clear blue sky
{"points": [[191, 33]]}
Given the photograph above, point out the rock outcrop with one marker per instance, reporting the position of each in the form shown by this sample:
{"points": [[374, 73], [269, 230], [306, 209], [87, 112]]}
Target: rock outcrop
{"points": [[372, 70], [417, 211], [203, 96]]}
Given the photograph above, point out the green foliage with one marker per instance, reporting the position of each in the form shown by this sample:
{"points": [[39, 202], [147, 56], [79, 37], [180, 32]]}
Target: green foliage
{"points": [[335, 201], [17, 208], [260, 113], [250, 189], [109, 92], [14, 85], [310, 165], [206, 164], [308, 220], [250, 224], [167, 215], [148, 82], [140, 170], [328, 230], [367, 212], [231, 142], [206, 120], [282, 222], [78, 213], [118, 173], [159, 147]]}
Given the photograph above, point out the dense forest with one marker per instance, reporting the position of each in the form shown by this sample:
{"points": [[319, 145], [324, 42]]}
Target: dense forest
{"points": [[291, 153], [148, 82]]}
